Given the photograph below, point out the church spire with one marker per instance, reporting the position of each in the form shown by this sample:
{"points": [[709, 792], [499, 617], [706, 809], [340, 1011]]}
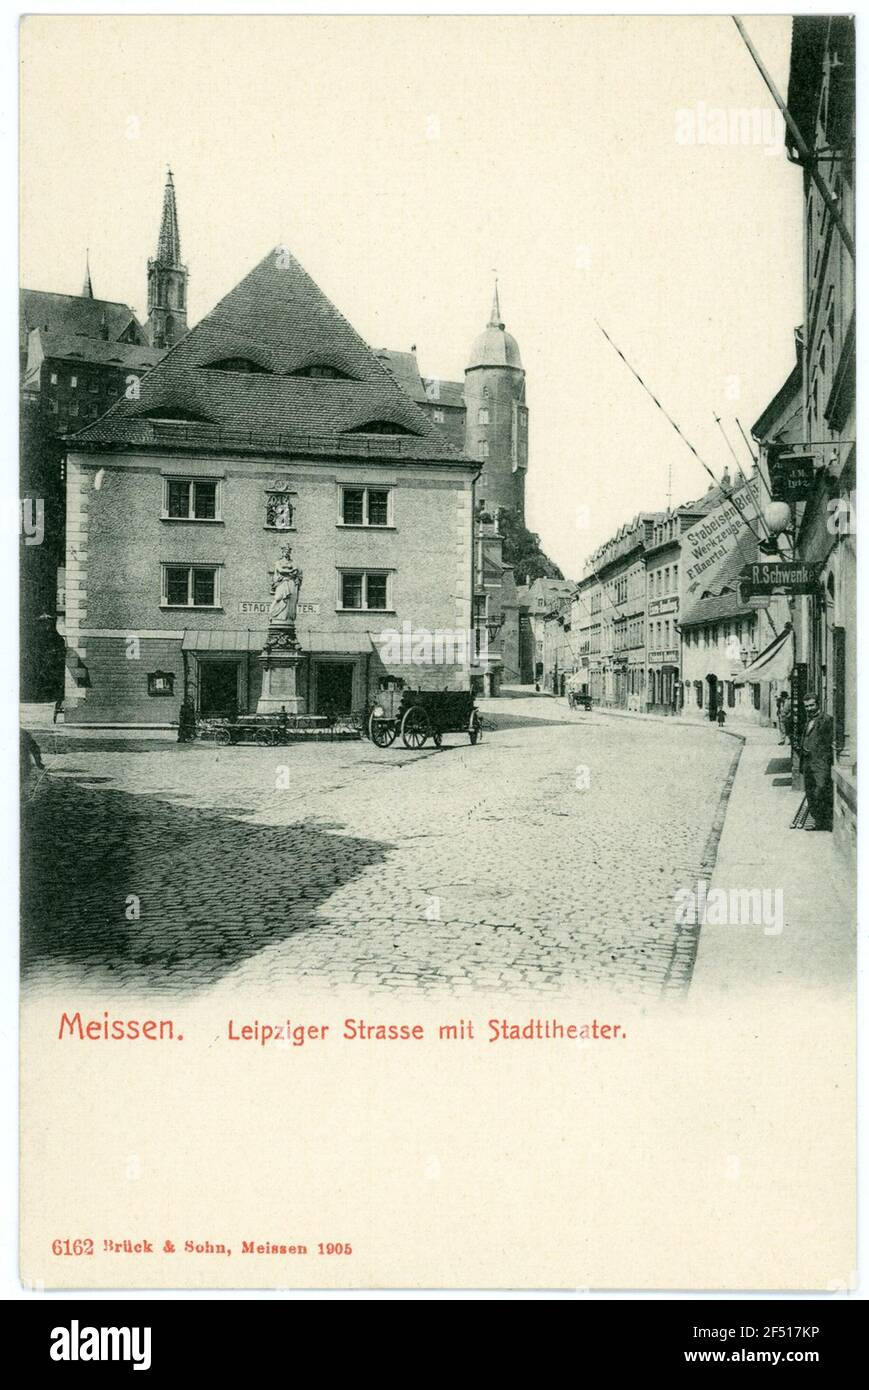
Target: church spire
{"points": [[87, 288], [495, 320], [167, 278], [169, 241]]}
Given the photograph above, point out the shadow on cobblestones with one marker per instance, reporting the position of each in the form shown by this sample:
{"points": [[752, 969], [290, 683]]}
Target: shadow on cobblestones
{"points": [[499, 719], [211, 890]]}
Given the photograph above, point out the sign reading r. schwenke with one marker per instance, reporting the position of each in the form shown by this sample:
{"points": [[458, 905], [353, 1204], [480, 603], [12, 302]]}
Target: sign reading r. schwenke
{"points": [[788, 576]]}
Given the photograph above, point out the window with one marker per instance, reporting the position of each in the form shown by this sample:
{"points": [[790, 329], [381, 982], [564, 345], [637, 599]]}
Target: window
{"points": [[73, 381], [161, 683], [365, 506], [483, 415], [190, 586], [364, 589], [438, 416], [54, 378], [483, 448], [190, 499]]}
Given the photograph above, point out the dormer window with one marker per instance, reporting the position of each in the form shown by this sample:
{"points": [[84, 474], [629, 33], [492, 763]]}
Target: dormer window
{"points": [[237, 364], [324, 371], [380, 427], [171, 415]]}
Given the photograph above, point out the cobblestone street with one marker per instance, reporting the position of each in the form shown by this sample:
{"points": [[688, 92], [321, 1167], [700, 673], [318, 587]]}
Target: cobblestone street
{"points": [[545, 857]]}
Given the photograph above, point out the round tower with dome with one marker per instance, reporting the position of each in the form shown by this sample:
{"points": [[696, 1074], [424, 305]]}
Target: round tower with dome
{"points": [[496, 416]]}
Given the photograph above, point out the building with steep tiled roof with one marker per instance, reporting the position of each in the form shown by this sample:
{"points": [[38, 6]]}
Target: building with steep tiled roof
{"points": [[272, 423], [75, 316], [275, 366]]}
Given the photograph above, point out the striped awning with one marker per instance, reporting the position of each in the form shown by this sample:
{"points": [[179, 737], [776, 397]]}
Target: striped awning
{"points": [[775, 663]]}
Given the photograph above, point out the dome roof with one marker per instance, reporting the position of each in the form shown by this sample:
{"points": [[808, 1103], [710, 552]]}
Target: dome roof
{"points": [[495, 347]]}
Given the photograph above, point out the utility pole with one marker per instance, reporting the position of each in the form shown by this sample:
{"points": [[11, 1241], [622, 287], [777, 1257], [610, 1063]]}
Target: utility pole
{"points": [[806, 157]]}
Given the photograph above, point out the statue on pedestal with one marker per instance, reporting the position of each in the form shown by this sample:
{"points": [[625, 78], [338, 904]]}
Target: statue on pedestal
{"points": [[286, 584], [282, 653]]}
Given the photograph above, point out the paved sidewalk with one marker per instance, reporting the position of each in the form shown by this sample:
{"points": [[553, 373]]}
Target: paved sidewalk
{"points": [[810, 941]]}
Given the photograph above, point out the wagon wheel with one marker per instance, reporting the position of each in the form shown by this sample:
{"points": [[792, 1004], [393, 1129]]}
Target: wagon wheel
{"points": [[437, 737], [415, 727], [222, 736], [268, 737], [475, 728], [381, 731]]}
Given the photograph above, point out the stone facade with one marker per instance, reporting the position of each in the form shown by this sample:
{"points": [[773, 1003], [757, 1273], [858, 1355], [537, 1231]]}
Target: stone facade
{"points": [[124, 631], [177, 516]]}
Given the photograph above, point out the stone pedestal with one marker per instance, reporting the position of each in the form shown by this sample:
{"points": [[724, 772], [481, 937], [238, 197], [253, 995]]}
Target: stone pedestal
{"points": [[281, 658]]}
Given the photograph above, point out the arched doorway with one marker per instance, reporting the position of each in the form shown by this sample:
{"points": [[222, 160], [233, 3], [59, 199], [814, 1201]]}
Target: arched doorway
{"points": [[712, 690]]}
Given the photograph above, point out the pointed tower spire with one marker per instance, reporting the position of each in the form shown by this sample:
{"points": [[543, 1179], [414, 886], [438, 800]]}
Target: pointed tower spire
{"points": [[169, 241], [87, 288], [167, 278], [495, 320]]}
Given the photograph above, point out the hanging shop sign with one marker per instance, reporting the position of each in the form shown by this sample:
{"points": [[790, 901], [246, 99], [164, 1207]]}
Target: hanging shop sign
{"points": [[778, 576], [791, 476]]}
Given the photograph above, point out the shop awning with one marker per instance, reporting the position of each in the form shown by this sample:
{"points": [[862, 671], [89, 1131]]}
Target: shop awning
{"points": [[775, 662], [254, 639], [221, 640], [329, 643]]}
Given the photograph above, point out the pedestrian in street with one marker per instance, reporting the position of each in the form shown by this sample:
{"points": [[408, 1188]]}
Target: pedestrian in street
{"points": [[722, 718], [784, 716], [816, 765], [58, 709]]}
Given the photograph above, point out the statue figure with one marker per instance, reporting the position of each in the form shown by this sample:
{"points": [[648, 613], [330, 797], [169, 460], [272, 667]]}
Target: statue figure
{"points": [[286, 583]]}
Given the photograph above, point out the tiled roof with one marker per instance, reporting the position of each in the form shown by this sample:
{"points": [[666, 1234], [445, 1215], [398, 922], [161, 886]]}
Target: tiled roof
{"points": [[79, 349], [282, 322], [405, 369], [74, 314]]}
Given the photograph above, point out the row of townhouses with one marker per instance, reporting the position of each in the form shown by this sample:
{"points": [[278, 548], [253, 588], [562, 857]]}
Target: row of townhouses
{"points": [[657, 624], [728, 601]]}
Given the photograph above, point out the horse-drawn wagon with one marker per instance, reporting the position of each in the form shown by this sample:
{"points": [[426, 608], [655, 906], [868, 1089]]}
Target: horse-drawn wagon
{"points": [[420, 715]]}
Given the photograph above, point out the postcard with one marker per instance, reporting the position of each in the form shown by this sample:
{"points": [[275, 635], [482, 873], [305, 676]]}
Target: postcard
{"points": [[438, 638]]}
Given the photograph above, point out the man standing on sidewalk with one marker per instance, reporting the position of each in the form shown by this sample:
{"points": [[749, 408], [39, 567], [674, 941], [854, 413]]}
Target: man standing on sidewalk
{"points": [[784, 716], [816, 765]]}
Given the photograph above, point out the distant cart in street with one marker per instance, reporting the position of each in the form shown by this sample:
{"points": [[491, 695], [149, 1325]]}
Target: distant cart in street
{"points": [[420, 715], [270, 730], [578, 696]]}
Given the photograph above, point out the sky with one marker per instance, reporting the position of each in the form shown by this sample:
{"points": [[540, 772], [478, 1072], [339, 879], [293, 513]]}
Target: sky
{"points": [[598, 165]]}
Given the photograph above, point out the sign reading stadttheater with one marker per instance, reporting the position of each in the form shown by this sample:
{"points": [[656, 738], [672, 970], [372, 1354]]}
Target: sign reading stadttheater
{"points": [[791, 576]]}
